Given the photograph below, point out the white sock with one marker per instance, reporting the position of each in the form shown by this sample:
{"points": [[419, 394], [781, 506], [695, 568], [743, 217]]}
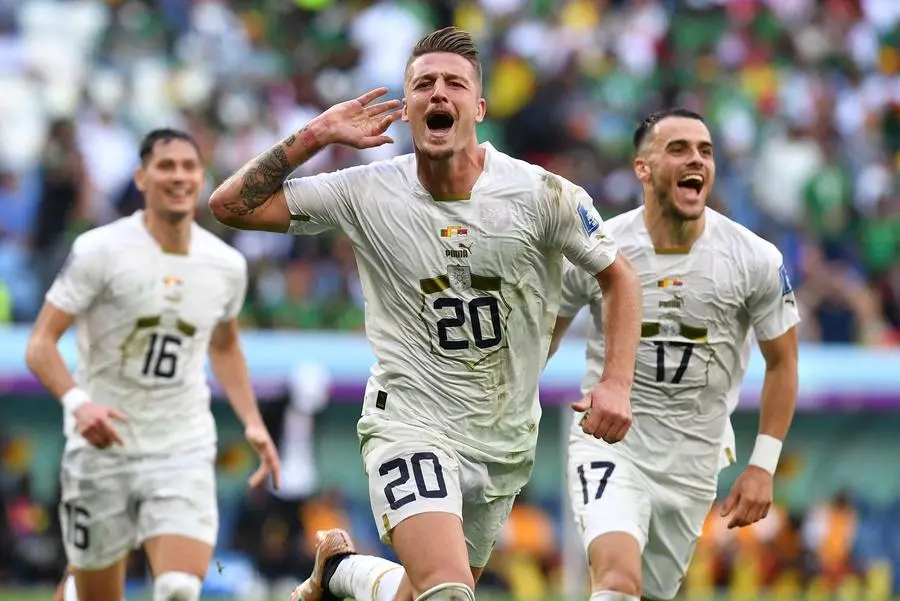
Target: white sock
{"points": [[366, 578], [69, 592], [612, 596]]}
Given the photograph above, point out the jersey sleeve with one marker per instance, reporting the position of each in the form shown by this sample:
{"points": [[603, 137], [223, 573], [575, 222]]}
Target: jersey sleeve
{"points": [[576, 290], [81, 279], [320, 202], [238, 291], [771, 303], [574, 228]]}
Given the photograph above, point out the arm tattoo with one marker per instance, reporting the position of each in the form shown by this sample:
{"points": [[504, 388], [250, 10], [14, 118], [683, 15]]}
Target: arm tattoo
{"points": [[263, 179], [265, 176]]}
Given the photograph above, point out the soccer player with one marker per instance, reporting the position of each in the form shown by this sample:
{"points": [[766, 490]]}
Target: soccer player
{"points": [[460, 252], [706, 281], [151, 295]]}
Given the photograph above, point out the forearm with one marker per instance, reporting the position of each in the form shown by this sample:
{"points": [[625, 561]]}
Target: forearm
{"points": [[779, 398], [253, 186], [621, 326], [230, 368], [46, 363]]}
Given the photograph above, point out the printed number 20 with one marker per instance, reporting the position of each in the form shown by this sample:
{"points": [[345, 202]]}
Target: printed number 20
{"points": [[459, 319], [661, 361], [400, 465]]}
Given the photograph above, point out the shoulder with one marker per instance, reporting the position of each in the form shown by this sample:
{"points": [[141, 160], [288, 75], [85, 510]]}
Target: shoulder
{"points": [[745, 246], [220, 252], [399, 168], [105, 237]]}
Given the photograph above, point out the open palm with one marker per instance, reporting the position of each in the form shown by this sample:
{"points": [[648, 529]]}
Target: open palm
{"points": [[357, 124]]}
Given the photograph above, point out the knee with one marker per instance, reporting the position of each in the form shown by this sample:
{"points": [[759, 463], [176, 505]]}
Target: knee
{"points": [[176, 586], [618, 579], [618, 571], [444, 577], [451, 591]]}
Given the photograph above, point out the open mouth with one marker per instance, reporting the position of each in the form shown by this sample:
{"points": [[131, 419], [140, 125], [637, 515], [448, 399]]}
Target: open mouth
{"points": [[178, 193], [439, 122], [693, 182]]}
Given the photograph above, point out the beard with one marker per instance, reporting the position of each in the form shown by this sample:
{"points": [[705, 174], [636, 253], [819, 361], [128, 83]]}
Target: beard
{"points": [[441, 154], [670, 210]]}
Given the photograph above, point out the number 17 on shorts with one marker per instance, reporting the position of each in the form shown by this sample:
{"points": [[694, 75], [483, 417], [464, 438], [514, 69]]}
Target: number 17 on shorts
{"points": [[413, 482]]}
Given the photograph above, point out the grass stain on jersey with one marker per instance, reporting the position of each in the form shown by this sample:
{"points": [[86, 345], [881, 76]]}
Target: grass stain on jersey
{"points": [[554, 187]]}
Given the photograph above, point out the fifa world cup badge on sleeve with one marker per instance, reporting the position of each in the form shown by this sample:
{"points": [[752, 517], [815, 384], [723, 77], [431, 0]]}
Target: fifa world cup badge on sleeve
{"points": [[588, 219]]}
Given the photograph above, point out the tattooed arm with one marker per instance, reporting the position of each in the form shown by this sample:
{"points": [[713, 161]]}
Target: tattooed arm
{"points": [[254, 198]]}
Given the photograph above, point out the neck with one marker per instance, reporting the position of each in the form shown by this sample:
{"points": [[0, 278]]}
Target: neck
{"points": [[174, 236], [669, 233], [451, 178]]}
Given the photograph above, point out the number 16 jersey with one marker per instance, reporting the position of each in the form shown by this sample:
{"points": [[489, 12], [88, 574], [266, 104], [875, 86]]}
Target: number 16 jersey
{"points": [[461, 294], [143, 322]]}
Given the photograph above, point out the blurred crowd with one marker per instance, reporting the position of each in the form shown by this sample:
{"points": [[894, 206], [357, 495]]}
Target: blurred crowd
{"points": [[802, 96]]}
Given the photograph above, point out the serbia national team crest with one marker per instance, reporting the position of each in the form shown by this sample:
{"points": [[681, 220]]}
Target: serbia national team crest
{"points": [[460, 277], [588, 219]]}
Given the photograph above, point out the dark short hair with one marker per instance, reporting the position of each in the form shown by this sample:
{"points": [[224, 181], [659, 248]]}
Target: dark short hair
{"points": [[452, 40], [656, 116], [164, 135]]}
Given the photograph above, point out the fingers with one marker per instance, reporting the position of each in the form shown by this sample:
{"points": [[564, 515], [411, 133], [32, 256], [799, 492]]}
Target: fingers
{"points": [[372, 95], [382, 107], [275, 469], [583, 405], [749, 512], [729, 503], [116, 414], [101, 433], [259, 475], [373, 141]]}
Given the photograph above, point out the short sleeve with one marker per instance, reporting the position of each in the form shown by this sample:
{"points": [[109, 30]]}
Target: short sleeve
{"points": [[574, 227], [320, 202], [238, 291], [771, 302], [577, 290], [81, 279]]}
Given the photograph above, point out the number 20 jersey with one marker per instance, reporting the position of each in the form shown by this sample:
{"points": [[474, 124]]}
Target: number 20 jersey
{"points": [[698, 309], [143, 321], [461, 294]]}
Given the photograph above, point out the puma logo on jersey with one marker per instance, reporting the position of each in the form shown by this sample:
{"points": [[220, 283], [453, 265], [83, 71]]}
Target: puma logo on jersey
{"points": [[461, 253], [676, 302]]}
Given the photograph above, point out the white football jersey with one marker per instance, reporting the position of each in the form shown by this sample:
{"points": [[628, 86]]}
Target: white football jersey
{"points": [[144, 319], [698, 311], [461, 294]]}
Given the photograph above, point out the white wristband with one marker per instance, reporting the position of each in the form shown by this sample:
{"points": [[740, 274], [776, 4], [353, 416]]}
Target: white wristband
{"points": [[74, 399], [766, 452]]}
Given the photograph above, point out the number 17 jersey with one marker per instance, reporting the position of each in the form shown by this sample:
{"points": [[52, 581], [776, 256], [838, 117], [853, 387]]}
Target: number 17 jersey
{"points": [[461, 294], [143, 322], [699, 306]]}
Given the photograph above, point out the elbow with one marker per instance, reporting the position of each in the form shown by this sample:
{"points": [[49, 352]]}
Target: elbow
{"points": [[34, 350], [218, 206]]}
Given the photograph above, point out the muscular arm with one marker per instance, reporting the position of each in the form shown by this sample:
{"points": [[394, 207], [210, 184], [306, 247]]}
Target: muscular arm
{"points": [[228, 364], [779, 391], [42, 354], [253, 198], [622, 324]]}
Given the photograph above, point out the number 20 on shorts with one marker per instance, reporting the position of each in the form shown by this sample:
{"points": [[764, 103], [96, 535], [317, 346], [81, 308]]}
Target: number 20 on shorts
{"points": [[416, 464]]}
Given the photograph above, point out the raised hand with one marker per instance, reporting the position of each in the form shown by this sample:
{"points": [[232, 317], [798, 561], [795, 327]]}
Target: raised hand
{"points": [[358, 124]]}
